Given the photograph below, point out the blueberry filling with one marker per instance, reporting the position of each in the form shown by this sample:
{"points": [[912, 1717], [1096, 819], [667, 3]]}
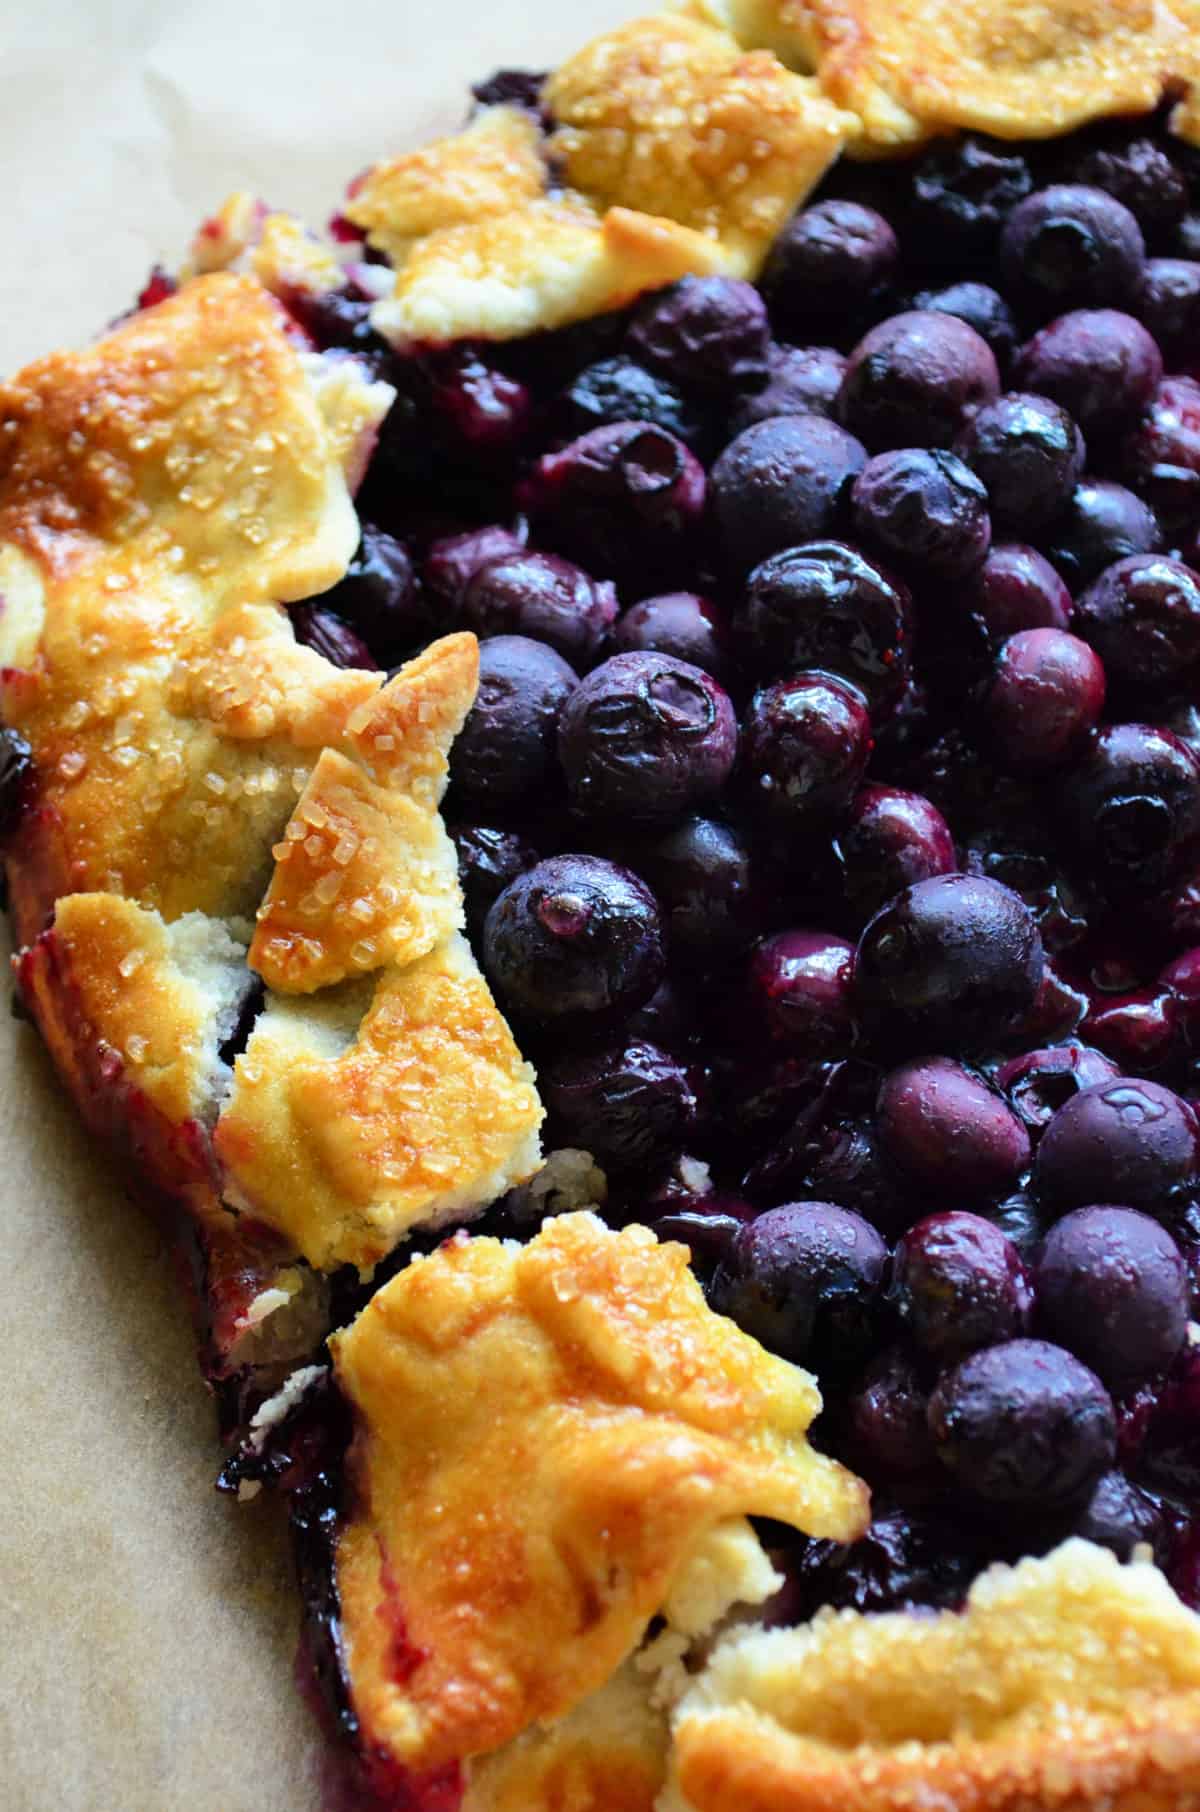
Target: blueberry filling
{"points": [[830, 813]]}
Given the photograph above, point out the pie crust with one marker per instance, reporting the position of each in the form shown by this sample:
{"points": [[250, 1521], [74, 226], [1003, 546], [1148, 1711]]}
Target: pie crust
{"points": [[545, 1574]]}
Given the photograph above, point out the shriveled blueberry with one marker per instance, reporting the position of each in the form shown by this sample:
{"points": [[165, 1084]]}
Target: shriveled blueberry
{"points": [[666, 1019], [621, 390], [1161, 458], [1130, 1139], [799, 988], [705, 333], [1020, 1220], [631, 1105], [806, 742], [1101, 365], [1038, 1083], [700, 872], [907, 1558], [1170, 306], [844, 1162], [801, 380], [380, 596], [1120, 1516], [1102, 522], [574, 934], [958, 1284], [956, 960], [506, 749], [1046, 694], [915, 380], [707, 1224], [618, 497], [331, 636], [1137, 170], [890, 840], [829, 259], [963, 191], [981, 307], [824, 605], [926, 510], [1069, 246], [488, 859], [888, 1429], [543, 597], [804, 1280], [511, 88], [1112, 1288], [1029, 454], [680, 623], [1017, 588], [16, 778], [1170, 1459], [949, 1131], [781, 482], [1024, 1426], [1131, 804], [1139, 1030], [647, 736], [1142, 616], [452, 562]]}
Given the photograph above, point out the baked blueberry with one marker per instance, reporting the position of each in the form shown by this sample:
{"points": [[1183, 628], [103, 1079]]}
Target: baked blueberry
{"points": [[1016, 588], [828, 260], [825, 605], [799, 990], [1130, 1140], [890, 840], [488, 859], [950, 1132], [1102, 523], [380, 596], [631, 1105], [1137, 170], [982, 308], [955, 960], [915, 380], [331, 636], [804, 1280], [620, 390], [1131, 804], [925, 510], [543, 597], [680, 623], [705, 333], [781, 482], [1045, 696], [963, 191], [511, 88], [844, 1161], [1038, 1083], [477, 409], [701, 875], [1070, 246], [958, 1284], [801, 380], [574, 935], [889, 1432], [453, 560], [1112, 1288], [805, 744], [1161, 458], [1170, 306], [1101, 365], [1029, 454], [619, 499], [505, 751], [1140, 1031], [907, 1557], [1142, 616], [706, 1224], [646, 736], [16, 778], [1120, 1516], [1024, 1426]]}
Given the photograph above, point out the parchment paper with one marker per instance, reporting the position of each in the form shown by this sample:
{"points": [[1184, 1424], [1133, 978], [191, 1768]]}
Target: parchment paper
{"points": [[147, 1628]]}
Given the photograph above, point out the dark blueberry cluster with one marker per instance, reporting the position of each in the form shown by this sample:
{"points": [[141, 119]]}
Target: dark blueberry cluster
{"points": [[829, 817]]}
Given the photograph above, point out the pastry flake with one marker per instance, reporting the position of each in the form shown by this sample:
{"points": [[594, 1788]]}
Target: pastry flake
{"points": [[545, 1434], [360, 1112], [669, 117], [1066, 1683]]}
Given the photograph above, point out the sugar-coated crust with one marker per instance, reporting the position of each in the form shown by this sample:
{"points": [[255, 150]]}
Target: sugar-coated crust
{"points": [[543, 1435], [1068, 1684]]}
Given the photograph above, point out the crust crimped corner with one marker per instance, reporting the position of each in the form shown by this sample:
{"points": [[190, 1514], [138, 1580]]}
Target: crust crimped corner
{"points": [[625, 1419], [1066, 1684]]}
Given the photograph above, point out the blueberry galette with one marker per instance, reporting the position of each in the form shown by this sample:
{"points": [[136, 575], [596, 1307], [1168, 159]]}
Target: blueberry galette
{"points": [[600, 782]]}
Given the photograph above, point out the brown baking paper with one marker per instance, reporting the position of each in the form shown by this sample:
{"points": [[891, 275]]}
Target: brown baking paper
{"points": [[148, 1627]]}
